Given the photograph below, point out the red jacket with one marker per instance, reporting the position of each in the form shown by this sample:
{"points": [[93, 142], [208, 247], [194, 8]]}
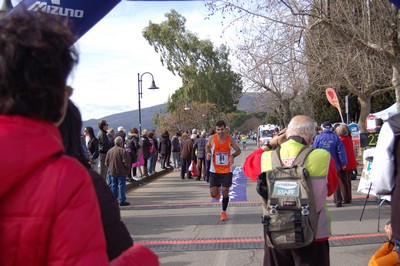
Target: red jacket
{"points": [[49, 214], [351, 157]]}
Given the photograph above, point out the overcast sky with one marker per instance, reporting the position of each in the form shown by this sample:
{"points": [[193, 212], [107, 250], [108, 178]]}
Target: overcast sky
{"points": [[114, 51]]}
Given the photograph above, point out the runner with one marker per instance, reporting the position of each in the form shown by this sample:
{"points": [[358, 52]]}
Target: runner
{"points": [[244, 140], [218, 150]]}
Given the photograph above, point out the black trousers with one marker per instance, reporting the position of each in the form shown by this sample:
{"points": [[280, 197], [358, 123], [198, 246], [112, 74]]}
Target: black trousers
{"points": [[316, 254]]}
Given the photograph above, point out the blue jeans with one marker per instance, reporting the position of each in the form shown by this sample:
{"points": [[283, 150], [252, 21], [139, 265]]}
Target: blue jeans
{"points": [[118, 187], [151, 163], [175, 159]]}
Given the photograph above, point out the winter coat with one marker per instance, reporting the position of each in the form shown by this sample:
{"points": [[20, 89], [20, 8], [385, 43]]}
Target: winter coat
{"points": [[118, 161], [329, 141], [93, 147], [52, 211], [164, 146], [104, 143], [132, 146], [176, 145], [200, 146], [187, 150], [145, 143], [351, 157]]}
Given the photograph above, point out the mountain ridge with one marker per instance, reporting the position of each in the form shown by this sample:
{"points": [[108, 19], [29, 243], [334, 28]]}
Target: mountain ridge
{"points": [[130, 119]]}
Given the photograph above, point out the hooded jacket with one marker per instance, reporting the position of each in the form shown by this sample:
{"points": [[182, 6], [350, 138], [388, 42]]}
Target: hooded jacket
{"points": [[49, 213]]}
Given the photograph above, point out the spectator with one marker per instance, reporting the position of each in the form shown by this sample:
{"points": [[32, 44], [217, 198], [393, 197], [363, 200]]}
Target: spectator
{"points": [[329, 141], [121, 133], [119, 163], [146, 145], [323, 174], [187, 155], [387, 255], [58, 222], [132, 146], [111, 137], [345, 173], [118, 238], [200, 146], [104, 146], [153, 150], [164, 148], [92, 143], [176, 151], [385, 174]]}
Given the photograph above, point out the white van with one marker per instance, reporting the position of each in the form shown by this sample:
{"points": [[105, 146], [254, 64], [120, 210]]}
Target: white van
{"points": [[265, 133]]}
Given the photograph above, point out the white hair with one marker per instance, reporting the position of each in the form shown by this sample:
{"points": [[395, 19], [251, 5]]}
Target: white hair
{"points": [[302, 126]]}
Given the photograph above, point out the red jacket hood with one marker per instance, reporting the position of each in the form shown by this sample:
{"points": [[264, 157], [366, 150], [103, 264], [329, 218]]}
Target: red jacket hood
{"points": [[26, 144]]}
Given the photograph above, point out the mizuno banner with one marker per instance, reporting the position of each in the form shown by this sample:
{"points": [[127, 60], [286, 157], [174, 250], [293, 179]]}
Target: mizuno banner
{"points": [[82, 15]]}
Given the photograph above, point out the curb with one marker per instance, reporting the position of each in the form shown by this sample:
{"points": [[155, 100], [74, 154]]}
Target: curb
{"points": [[146, 180]]}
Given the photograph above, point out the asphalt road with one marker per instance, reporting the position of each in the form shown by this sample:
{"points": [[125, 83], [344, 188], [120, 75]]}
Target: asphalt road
{"points": [[178, 221]]}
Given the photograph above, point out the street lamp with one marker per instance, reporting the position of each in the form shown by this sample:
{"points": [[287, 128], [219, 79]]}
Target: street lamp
{"points": [[140, 95]]}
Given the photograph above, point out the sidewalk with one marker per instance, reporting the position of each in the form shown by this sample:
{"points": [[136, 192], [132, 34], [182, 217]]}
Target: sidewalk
{"points": [[159, 172]]}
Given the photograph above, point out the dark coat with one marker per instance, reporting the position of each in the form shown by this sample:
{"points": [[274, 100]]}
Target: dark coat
{"points": [[187, 150], [132, 146], [164, 146], [104, 144], [93, 147], [145, 143], [176, 145], [117, 235]]}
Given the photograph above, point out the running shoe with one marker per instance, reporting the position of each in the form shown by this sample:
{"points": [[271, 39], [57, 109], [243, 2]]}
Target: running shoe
{"points": [[223, 216]]}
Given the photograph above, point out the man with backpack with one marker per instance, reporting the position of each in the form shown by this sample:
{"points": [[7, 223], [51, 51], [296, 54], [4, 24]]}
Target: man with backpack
{"points": [[288, 240]]}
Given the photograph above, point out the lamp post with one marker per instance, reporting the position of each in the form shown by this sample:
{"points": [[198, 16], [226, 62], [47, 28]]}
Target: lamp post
{"points": [[140, 95]]}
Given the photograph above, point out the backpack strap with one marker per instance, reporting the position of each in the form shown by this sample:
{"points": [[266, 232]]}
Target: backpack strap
{"points": [[302, 155], [276, 158]]}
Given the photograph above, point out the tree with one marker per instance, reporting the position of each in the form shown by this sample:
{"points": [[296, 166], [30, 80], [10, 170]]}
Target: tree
{"points": [[205, 70], [343, 33]]}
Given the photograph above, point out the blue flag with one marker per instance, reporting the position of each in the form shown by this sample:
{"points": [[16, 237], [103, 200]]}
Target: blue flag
{"points": [[82, 15]]}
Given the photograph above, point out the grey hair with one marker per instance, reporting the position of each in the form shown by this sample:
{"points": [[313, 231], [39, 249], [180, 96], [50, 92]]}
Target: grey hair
{"points": [[203, 134], [302, 126], [118, 141]]}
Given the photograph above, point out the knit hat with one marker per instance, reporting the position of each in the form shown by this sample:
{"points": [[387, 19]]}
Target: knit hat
{"points": [[326, 125]]}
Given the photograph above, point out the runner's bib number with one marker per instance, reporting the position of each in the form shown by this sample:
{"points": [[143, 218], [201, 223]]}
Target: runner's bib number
{"points": [[221, 158]]}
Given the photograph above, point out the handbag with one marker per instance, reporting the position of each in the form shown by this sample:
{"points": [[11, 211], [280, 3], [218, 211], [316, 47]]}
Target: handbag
{"points": [[140, 162], [194, 170]]}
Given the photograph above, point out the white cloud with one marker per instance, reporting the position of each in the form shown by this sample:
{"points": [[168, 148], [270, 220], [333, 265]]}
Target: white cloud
{"points": [[114, 51]]}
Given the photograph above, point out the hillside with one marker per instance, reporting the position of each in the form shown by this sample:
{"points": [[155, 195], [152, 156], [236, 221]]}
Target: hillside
{"points": [[130, 119]]}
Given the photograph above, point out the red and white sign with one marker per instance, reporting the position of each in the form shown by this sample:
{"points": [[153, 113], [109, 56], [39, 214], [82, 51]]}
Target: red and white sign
{"points": [[370, 123]]}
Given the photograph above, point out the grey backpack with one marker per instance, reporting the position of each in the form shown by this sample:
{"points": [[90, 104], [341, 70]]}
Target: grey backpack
{"points": [[290, 219]]}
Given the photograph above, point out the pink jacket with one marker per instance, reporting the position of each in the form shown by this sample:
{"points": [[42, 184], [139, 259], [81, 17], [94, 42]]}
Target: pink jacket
{"points": [[49, 214]]}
